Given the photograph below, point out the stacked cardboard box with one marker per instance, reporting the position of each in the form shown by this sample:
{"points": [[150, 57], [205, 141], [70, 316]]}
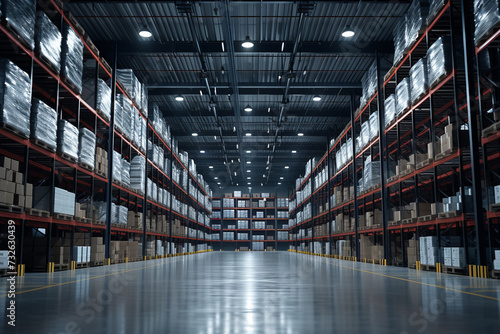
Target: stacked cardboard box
{"points": [[134, 219], [344, 248], [373, 217], [447, 139], [81, 254], [4, 259], [377, 252], [101, 161], [496, 262], [64, 201], [12, 186], [404, 165], [424, 209], [429, 252], [81, 210], [412, 251], [96, 249], [60, 254]]}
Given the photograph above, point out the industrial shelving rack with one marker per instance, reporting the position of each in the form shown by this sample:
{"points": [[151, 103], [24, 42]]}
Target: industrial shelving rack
{"points": [[43, 166], [450, 101], [273, 224]]}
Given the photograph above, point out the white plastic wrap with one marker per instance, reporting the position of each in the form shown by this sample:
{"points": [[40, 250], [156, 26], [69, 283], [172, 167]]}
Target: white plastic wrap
{"points": [[44, 123], [369, 83], [127, 119], [136, 129], [390, 109], [403, 96], [20, 14], [144, 99], [439, 60], [434, 9], [143, 135], [374, 126], [121, 214], [137, 173], [117, 167], [419, 84], [103, 102], [67, 139], [15, 97], [125, 172], [486, 16], [86, 147], [399, 35], [118, 115], [48, 40], [72, 57], [416, 16], [156, 120], [129, 80], [150, 189], [349, 154], [365, 134]]}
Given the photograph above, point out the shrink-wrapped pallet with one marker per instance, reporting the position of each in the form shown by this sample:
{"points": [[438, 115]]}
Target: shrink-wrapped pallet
{"points": [[486, 17], [403, 96], [48, 41], [439, 60], [44, 124], [67, 139], [419, 84], [86, 148], [137, 173], [72, 58], [117, 167], [20, 17]]}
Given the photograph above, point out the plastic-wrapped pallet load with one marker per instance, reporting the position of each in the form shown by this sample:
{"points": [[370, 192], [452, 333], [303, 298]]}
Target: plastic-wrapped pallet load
{"points": [[374, 125], [390, 109], [399, 35], [103, 103], [118, 116], [129, 80], [486, 16], [20, 15], [143, 135], [434, 8], [125, 172], [144, 100], [156, 120], [72, 58], [419, 84], [44, 124], [15, 97], [121, 214], [126, 109], [365, 134], [136, 127], [137, 173], [67, 139], [438, 60], [369, 83], [417, 13], [117, 167], [86, 147], [48, 40], [403, 96]]}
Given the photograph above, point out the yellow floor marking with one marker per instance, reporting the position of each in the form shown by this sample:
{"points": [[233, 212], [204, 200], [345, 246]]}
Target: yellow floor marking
{"points": [[421, 283], [88, 279]]}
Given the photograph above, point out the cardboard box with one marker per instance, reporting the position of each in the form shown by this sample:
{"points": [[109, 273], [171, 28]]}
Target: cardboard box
{"points": [[237, 193], [7, 186], [9, 175], [28, 204], [3, 172], [18, 177], [19, 200], [14, 165], [5, 162], [6, 198], [19, 189], [29, 189]]}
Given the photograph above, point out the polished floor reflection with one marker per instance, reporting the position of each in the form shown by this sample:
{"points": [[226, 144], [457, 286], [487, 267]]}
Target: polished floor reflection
{"points": [[252, 292]]}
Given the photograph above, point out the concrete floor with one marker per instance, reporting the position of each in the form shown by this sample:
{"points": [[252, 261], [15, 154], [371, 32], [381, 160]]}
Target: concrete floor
{"points": [[252, 292]]}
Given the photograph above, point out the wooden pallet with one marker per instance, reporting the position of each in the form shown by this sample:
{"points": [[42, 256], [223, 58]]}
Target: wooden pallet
{"points": [[83, 220], [118, 261], [427, 218], [96, 263], [37, 212], [393, 178], [106, 65], [11, 208], [14, 131], [91, 45], [99, 222], [85, 166], [47, 63], [103, 115], [392, 223], [488, 34], [71, 85], [445, 154], [495, 207], [83, 265], [63, 216], [495, 274], [424, 163], [438, 81], [68, 157], [454, 270], [43, 145], [406, 172], [490, 130], [428, 267], [61, 266], [100, 173], [74, 23], [409, 221], [412, 266], [449, 214]]}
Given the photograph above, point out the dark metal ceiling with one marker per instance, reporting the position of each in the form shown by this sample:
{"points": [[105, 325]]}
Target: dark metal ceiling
{"points": [[324, 63]]}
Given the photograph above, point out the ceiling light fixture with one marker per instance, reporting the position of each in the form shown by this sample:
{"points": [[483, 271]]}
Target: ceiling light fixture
{"points": [[194, 134], [223, 49], [249, 178], [348, 32], [286, 167], [249, 151], [222, 70], [282, 46], [216, 178], [248, 108], [249, 183], [249, 171], [248, 134], [247, 43], [202, 151], [279, 183], [294, 151], [201, 93], [144, 32], [249, 162], [218, 182], [263, 175], [317, 98], [179, 98], [300, 134], [211, 167], [281, 177]]}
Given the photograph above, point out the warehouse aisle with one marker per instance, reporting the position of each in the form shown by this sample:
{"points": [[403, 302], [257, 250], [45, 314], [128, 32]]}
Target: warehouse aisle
{"points": [[253, 292]]}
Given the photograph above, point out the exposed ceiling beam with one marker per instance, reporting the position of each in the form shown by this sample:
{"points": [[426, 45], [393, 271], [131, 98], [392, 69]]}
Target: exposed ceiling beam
{"points": [[241, 1], [229, 134], [360, 48]]}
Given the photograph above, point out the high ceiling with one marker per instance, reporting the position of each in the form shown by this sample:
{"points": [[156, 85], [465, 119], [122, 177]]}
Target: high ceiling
{"points": [[195, 51]]}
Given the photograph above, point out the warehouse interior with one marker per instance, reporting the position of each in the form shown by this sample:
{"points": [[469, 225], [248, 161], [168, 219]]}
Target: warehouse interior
{"points": [[250, 166]]}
